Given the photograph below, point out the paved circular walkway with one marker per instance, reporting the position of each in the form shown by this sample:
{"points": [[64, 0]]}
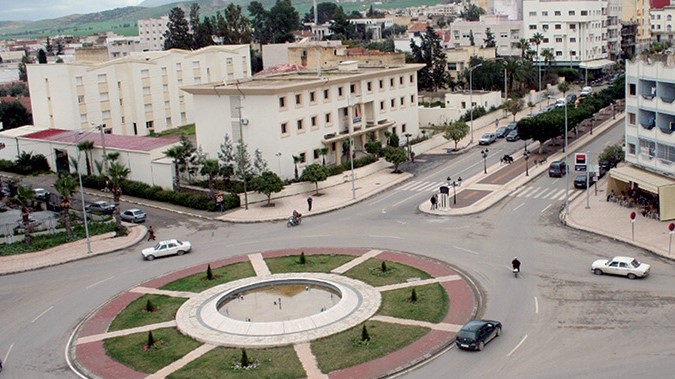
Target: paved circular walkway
{"points": [[88, 354]]}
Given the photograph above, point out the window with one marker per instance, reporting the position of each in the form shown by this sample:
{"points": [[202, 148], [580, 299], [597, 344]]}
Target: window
{"points": [[584, 13], [326, 94], [317, 154], [558, 53], [558, 26], [402, 101], [328, 119], [412, 77], [181, 99], [573, 26], [313, 121], [665, 152], [166, 105], [105, 115], [573, 40], [301, 125], [178, 67], [145, 74], [545, 26], [369, 86], [312, 97], [102, 78], [104, 96], [533, 14], [573, 53], [544, 13], [303, 158], [557, 13], [146, 91], [533, 27], [545, 40], [400, 80], [340, 91], [571, 13], [412, 99], [631, 89], [147, 108], [352, 88], [78, 80], [558, 39], [228, 61], [631, 118], [381, 105], [631, 148], [284, 128], [183, 117], [282, 102], [149, 124], [298, 99], [163, 71], [80, 99], [391, 82]]}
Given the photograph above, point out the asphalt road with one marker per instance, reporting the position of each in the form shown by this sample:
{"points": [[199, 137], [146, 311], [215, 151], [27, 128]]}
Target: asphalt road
{"points": [[559, 320]]}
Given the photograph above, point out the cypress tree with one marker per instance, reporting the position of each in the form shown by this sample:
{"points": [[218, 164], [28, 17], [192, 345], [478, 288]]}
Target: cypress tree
{"points": [[364, 334], [209, 274]]}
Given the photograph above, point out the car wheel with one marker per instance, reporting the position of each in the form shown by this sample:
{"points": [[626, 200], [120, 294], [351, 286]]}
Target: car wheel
{"points": [[499, 332], [481, 345], [631, 276], [597, 271], [150, 257], [180, 252]]}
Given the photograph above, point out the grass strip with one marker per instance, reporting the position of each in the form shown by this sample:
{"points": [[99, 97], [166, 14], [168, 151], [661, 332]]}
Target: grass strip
{"points": [[313, 263], [431, 305], [136, 314], [371, 272], [46, 241], [198, 282]]}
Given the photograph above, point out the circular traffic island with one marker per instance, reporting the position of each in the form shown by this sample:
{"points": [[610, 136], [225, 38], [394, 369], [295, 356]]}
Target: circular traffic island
{"points": [[314, 313]]}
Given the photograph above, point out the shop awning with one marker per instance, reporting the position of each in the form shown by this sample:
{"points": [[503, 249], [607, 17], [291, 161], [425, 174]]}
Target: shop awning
{"points": [[596, 64], [645, 180]]}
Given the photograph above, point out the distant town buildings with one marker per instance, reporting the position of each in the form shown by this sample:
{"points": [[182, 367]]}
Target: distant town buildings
{"points": [[151, 32]]}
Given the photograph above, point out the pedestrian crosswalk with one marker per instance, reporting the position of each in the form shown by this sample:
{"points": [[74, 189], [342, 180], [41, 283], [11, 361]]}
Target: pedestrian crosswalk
{"points": [[422, 186], [544, 193]]}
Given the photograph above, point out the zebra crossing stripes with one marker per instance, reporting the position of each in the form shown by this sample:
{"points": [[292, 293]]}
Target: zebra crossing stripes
{"points": [[544, 193], [422, 186]]}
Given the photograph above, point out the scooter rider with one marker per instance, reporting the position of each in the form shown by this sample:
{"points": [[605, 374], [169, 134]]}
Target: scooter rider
{"points": [[296, 217], [516, 264]]}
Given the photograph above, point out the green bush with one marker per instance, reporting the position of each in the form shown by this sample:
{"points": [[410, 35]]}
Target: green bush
{"points": [[26, 164]]}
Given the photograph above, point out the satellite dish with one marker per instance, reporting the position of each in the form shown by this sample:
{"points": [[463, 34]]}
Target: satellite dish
{"points": [[244, 121]]}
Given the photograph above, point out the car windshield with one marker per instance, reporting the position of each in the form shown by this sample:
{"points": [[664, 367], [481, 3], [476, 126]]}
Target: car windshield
{"points": [[466, 334], [179, 242], [635, 263], [156, 247]]}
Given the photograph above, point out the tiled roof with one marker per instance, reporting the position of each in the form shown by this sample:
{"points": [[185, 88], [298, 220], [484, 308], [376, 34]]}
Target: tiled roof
{"points": [[112, 141]]}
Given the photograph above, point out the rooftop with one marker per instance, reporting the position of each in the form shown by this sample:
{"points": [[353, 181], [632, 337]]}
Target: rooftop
{"points": [[112, 141]]}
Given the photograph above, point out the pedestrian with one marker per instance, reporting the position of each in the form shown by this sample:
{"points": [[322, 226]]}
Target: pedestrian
{"points": [[434, 201], [151, 233], [496, 122], [412, 156], [309, 203]]}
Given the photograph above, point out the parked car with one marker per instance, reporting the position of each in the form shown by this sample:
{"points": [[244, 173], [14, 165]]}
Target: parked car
{"points": [[511, 127], [164, 248], [624, 266], [101, 206], [560, 102], [133, 215], [487, 139], [513, 136], [476, 333], [501, 132], [571, 98], [586, 91], [33, 224], [580, 180], [40, 194], [603, 168], [557, 169]]}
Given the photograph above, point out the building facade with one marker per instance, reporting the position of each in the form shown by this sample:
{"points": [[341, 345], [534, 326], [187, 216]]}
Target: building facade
{"points": [[135, 95], [458, 59], [311, 54], [506, 33], [662, 24], [576, 30], [151, 31], [305, 113]]}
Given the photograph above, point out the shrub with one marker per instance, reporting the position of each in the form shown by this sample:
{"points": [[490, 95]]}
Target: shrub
{"points": [[26, 164], [209, 273], [364, 334], [413, 296], [149, 307], [302, 260]]}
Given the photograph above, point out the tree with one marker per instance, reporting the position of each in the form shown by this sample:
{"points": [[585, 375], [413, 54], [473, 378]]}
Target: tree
{"points": [[456, 131], [267, 183], [13, 115], [26, 59], [315, 173], [177, 35], [296, 159], [202, 31], [489, 40], [65, 186], [211, 169], [323, 151], [262, 32], [226, 157], [325, 13], [86, 147], [118, 173], [364, 334], [42, 57], [514, 106], [49, 47], [234, 28], [612, 154], [471, 12], [395, 156], [59, 47], [372, 13], [341, 27], [259, 164], [283, 21], [548, 56], [183, 155], [24, 196], [434, 75], [523, 45]]}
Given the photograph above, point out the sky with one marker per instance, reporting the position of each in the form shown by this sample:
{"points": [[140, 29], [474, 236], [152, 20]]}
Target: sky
{"points": [[32, 10]]}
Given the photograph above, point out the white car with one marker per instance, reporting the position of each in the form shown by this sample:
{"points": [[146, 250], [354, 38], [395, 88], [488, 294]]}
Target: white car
{"points": [[624, 266], [560, 102], [168, 247], [40, 194], [487, 139], [586, 91]]}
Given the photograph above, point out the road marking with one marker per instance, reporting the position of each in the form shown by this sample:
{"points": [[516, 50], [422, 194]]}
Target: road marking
{"points": [[517, 346], [516, 208], [99, 282], [467, 250], [547, 207], [376, 236], [42, 314], [400, 202], [536, 305], [8, 351]]}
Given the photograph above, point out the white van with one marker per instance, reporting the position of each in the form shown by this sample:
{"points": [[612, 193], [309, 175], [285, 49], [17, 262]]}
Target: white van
{"points": [[586, 91]]}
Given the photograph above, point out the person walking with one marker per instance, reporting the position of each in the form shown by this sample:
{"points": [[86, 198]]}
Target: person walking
{"points": [[309, 203], [151, 234], [434, 201]]}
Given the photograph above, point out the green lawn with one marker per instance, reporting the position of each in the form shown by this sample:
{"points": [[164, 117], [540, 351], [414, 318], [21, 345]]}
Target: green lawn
{"points": [[46, 241], [188, 129], [370, 272], [131, 350], [224, 274], [345, 349], [431, 305], [135, 314], [277, 363], [313, 263]]}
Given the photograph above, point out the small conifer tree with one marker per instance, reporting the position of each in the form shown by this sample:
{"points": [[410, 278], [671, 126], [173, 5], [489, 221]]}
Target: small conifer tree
{"points": [[149, 306], [383, 268], [364, 334], [244, 359], [209, 273], [413, 296], [303, 260], [151, 339]]}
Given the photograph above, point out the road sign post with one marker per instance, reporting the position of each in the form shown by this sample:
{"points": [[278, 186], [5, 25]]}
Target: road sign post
{"points": [[632, 223]]}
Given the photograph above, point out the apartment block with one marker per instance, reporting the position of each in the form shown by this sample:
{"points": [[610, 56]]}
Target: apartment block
{"points": [[305, 112], [151, 31], [134, 95], [661, 24], [506, 33]]}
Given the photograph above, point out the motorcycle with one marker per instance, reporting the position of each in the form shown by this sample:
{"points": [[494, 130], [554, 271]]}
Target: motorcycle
{"points": [[516, 271], [293, 221]]}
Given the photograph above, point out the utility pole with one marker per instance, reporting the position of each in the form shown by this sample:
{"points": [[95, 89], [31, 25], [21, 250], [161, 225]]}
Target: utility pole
{"points": [[242, 122]]}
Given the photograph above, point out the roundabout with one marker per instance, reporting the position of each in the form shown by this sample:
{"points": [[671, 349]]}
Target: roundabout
{"points": [[308, 311]]}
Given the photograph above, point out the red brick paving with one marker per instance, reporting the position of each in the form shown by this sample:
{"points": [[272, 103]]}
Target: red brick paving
{"points": [[100, 321], [468, 197], [93, 358]]}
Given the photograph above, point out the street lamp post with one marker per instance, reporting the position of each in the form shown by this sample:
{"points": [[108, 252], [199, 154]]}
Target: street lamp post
{"points": [[84, 208], [279, 161], [567, 180], [471, 95], [454, 185], [242, 122], [484, 154], [350, 126], [526, 155]]}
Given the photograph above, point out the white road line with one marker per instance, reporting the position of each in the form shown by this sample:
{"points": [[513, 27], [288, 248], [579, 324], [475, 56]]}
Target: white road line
{"points": [[557, 195], [376, 236], [467, 250], [518, 191], [536, 305], [432, 187], [517, 346], [540, 193], [418, 186], [99, 282], [42, 314], [547, 207], [524, 192], [409, 184], [7, 354], [537, 193], [516, 208]]}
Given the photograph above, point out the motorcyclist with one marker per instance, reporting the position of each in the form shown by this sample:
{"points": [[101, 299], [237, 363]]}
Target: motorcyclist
{"points": [[516, 264], [296, 217]]}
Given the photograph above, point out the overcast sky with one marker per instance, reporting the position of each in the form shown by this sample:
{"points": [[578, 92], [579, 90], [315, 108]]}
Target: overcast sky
{"points": [[13, 10]]}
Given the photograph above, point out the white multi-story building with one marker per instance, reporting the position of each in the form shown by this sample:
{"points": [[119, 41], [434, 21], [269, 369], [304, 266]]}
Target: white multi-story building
{"points": [[650, 132], [512, 9], [119, 46], [575, 30], [614, 28], [506, 33], [134, 95], [152, 31], [662, 24], [637, 11], [297, 114]]}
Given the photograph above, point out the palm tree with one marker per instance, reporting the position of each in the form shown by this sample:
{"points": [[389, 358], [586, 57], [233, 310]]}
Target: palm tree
{"points": [[86, 147], [296, 160], [523, 45], [323, 151], [177, 153], [548, 56], [65, 186], [512, 66], [24, 196], [211, 168], [118, 173], [537, 39]]}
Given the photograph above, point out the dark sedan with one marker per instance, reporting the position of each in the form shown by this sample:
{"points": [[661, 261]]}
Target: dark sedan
{"points": [[501, 132], [513, 136], [580, 180], [477, 333]]}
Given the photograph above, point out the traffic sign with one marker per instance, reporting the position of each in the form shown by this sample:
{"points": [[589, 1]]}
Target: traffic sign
{"points": [[580, 162], [580, 167]]}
